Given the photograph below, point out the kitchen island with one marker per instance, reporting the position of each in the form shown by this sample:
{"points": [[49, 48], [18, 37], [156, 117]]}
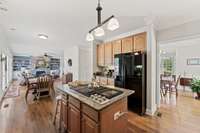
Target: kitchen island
{"points": [[101, 112]]}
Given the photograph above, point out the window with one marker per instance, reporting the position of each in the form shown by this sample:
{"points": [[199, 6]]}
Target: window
{"points": [[168, 63]]}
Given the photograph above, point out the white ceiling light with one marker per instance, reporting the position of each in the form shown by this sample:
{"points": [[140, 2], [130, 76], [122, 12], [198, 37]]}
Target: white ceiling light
{"points": [[42, 36], [99, 32], [113, 24], [12, 29], [89, 37]]}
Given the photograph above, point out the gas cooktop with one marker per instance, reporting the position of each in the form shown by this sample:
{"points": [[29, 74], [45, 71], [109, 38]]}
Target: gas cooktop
{"points": [[100, 94]]}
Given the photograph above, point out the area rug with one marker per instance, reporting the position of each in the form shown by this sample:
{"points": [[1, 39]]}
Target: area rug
{"points": [[13, 91]]}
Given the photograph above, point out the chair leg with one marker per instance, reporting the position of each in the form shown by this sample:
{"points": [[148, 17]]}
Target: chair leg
{"points": [[60, 121], [161, 93], [54, 119], [38, 95], [26, 95]]}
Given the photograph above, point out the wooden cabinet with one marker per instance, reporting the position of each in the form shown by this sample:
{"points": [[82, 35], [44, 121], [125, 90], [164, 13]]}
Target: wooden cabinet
{"points": [[88, 125], [74, 117], [103, 80], [108, 54], [111, 81], [79, 117], [117, 48], [140, 42], [109, 115], [100, 55], [127, 45], [64, 111]]}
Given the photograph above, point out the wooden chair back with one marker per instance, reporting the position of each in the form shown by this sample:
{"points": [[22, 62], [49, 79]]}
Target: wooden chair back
{"points": [[44, 82]]}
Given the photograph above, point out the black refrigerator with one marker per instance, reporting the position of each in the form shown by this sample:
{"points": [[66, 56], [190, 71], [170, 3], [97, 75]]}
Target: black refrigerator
{"points": [[130, 73]]}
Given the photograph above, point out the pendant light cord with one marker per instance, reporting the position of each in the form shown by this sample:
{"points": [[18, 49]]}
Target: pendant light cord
{"points": [[99, 8]]}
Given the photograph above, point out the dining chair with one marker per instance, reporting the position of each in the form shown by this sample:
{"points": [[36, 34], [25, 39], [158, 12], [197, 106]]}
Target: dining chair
{"points": [[31, 87], [45, 86], [164, 84], [174, 86]]}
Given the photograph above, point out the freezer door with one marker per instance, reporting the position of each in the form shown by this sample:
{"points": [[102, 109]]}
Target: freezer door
{"points": [[119, 71]]}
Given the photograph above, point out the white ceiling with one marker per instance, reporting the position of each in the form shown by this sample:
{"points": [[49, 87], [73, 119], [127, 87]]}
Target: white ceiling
{"points": [[66, 22]]}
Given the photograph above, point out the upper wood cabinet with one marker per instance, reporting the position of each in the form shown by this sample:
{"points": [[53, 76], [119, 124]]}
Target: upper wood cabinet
{"points": [[108, 54], [127, 45], [100, 55], [117, 47], [140, 42]]}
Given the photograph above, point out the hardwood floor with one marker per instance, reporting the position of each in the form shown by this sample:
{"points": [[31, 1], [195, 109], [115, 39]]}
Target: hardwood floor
{"points": [[177, 116], [19, 117], [182, 116]]}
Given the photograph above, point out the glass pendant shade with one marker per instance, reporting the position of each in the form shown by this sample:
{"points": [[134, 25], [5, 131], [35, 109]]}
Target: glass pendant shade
{"points": [[99, 32], [89, 37], [113, 24]]}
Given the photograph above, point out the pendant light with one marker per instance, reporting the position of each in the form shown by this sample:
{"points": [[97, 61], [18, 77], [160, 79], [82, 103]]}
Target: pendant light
{"points": [[99, 32], [89, 37], [113, 24]]}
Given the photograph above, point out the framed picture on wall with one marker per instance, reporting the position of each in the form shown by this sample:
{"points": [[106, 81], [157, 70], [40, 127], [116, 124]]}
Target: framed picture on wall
{"points": [[193, 61]]}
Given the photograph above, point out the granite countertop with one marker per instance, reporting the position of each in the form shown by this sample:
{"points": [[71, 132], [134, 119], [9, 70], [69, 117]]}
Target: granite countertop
{"points": [[65, 88]]}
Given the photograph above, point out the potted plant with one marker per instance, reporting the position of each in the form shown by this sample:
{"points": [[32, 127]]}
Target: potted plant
{"points": [[196, 87]]}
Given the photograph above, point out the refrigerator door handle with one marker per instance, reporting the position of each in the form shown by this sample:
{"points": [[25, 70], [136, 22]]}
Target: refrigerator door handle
{"points": [[124, 75]]}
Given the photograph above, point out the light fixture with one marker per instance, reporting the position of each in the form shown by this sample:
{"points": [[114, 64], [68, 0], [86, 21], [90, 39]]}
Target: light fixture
{"points": [[113, 24], [42, 36], [89, 37], [99, 31], [12, 29]]}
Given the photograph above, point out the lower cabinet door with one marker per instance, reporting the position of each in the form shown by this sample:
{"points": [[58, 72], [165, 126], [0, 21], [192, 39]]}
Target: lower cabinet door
{"points": [[73, 119], [88, 125], [64, 114]]}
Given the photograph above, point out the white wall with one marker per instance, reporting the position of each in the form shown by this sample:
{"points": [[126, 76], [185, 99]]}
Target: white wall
{"points": [[85, 63], [72, 53], [185, 49], [5, 50]]}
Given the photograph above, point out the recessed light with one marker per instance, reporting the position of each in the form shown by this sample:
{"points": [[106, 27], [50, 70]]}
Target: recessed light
{"points": [[12, 29], [42, 36]]}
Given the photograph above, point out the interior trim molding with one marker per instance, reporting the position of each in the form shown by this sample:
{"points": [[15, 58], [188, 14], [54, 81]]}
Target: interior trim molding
{"points": [[129, 33], [151, 112], [194, 36]]}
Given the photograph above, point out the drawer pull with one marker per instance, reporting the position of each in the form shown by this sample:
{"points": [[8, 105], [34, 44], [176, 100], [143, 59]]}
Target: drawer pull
{"points": [[119, 114]]}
